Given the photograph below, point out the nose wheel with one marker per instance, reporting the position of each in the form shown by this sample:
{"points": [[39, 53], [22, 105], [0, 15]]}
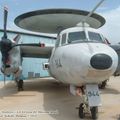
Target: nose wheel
{"points": [[83, 109], [94, 112]]}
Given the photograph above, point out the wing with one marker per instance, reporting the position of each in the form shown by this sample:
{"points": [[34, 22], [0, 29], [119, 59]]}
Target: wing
{"points": [[35, 50], [117, 49]]}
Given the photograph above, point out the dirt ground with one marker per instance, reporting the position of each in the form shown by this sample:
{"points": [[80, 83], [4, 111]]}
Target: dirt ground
{"points": [[46, 99]]}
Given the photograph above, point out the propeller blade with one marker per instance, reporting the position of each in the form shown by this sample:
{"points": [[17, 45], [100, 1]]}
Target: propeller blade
{"points": [[17, 38], [5, 22]]}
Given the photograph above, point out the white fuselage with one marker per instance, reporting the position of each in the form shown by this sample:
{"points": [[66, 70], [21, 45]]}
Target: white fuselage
{"points": [[70, 63]]}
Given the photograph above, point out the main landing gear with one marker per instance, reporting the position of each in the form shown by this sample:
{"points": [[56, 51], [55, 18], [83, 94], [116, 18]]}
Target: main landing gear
{"points": [[91, 100], [103, 84], [20, 84]]}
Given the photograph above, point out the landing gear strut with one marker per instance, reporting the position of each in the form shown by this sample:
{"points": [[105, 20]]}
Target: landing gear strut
{"points": [[81, 111], [20, 85], [103, 84]]}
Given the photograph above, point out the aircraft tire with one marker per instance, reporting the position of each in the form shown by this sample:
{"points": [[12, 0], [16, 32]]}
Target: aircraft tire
{"points": [[94, 112], [20, 85], [81, 111]]}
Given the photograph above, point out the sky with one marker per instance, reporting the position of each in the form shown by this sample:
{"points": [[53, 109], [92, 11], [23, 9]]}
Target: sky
{"points": [[110, 9]]}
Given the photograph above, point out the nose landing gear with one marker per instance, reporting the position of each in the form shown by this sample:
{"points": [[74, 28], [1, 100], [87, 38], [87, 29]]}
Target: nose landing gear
{"points": [[91, 101], [84, 109], [81, 111], [94, 112]]}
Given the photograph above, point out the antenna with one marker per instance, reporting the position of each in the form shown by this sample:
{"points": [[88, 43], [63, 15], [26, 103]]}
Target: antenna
{"points": [[85, 19]]}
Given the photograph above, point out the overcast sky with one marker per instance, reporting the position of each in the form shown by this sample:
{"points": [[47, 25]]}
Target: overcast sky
{"points": [[110, 9]]}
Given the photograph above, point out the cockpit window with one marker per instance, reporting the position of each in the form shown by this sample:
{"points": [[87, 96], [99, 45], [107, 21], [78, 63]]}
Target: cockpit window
{"points": [[76, 36], [95, 36]]}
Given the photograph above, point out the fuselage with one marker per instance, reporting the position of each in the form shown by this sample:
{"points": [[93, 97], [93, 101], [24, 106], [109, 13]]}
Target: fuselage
{"points": [[82, 61]]}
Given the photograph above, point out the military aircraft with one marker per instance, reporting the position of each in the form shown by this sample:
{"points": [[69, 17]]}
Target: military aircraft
{"points": [[81, 57]]}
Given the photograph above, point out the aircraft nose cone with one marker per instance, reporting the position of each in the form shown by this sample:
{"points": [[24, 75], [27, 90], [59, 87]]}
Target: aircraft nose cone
{"points": [[101, 61]]}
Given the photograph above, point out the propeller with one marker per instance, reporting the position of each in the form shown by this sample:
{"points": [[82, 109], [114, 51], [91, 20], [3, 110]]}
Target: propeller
{"points": [[5, 22], [5, 43]]}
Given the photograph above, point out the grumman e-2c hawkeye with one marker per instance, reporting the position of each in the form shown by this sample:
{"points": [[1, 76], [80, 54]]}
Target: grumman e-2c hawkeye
{"points": [[81, 57]]}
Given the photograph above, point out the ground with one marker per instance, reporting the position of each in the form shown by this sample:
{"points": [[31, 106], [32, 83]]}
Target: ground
{"points": [[46, 99]]}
